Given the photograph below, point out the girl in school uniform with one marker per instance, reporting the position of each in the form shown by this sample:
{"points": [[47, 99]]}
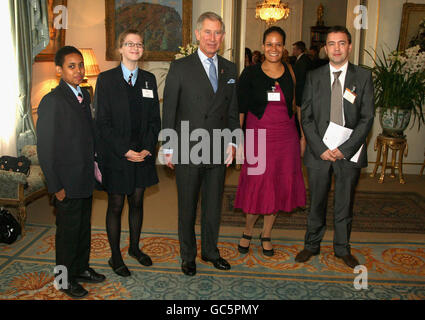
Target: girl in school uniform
{"points": [[128, 123]]}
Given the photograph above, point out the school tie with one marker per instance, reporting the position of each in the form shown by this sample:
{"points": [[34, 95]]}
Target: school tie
{"points": [[80, 98], [129, 80], [336, 100], [213, 75]]}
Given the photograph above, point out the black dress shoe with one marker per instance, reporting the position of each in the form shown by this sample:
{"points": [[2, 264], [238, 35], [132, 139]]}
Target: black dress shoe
{"points": [[75, 290], [121, 270], [266, 252], [305, 255], [241, 249], [219, 263], [90, 276], [189, 268], [143, 258], [349, 260]]}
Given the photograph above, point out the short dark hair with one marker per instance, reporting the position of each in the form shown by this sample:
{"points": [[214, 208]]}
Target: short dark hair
{"points": [[64, 51], [300, 45], [342, 29], [274, 29]]}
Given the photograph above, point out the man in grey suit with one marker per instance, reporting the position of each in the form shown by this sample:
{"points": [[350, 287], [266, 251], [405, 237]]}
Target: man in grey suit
{"points": [[200, 92], [342, 93]]}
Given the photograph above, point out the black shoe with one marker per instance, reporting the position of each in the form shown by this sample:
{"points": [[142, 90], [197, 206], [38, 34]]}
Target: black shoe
{"points": [[90, 276], [349, 260], [143, 258], [75, 290], [244, 250], [266, 252], [189, 268], [305, 255], [219, 263], [121, 270]]}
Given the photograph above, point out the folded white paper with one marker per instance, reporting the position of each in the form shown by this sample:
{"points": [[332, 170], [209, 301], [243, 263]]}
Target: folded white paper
{"points": [[336, 135]]}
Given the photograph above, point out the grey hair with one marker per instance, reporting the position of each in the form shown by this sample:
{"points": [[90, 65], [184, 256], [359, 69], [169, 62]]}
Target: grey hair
{"points": [[210, 16]]}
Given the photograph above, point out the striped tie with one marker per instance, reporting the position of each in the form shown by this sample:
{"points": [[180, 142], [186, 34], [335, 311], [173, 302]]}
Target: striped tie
{"points": [[80, 98], [129, 80]]}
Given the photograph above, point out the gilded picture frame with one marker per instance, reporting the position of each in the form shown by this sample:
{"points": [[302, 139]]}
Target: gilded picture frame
{"points": [[165, 25], [411, 18]]}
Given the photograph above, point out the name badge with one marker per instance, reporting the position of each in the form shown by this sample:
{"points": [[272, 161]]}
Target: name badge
{"points": [[147, 93], [273, 96], [350, 96]]}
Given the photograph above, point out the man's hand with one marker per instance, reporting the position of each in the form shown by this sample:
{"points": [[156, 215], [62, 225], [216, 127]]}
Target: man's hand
{"points": [[168, 160], [231, 153], [60, 195], [134, 156], [328, 156], [338, 154]]}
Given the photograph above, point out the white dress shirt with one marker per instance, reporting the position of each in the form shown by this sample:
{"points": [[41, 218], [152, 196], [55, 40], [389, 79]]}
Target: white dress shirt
{"points": [[75, 91]]}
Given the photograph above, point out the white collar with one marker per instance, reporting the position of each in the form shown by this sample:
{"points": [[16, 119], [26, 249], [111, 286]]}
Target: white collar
{"points": [[343, 69], [203, 57]]}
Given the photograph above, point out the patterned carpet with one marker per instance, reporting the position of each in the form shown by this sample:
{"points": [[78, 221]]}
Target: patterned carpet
{"points": [[395, 271], [382, 212]]}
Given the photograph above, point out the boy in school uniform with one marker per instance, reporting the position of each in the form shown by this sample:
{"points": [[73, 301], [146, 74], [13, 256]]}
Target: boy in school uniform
{"points": [[66, 153]]}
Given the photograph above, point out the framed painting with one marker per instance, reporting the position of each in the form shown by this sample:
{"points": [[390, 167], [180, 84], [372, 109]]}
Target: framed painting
{"points": [[56, 36], [165, 25], [412, 25]]}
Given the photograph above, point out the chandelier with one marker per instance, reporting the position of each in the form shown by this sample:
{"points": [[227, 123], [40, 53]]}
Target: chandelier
{"points": [[271, 11]]}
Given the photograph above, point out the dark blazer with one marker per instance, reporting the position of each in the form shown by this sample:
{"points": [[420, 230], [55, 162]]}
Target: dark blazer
{"points": [[302, 66], [253, 85], [113, 124], [65, 142], [189, 96], [316, 114]]}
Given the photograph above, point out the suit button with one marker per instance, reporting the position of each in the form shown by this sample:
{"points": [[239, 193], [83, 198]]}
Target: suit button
{"points": [[221, 118], [206, 117]]}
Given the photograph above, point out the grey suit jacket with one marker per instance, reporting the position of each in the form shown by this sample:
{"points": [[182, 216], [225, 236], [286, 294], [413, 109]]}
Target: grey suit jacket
{"points": [[189, 96], [316, 114]]}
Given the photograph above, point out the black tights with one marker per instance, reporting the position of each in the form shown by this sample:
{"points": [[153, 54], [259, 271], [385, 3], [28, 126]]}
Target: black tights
{"points": [[135, 221]]}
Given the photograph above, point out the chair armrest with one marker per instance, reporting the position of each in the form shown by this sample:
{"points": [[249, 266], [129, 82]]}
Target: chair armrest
{"points": [[30, 151], [8, 177]]}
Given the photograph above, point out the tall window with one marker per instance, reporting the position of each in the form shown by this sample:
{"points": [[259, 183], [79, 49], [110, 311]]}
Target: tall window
{"points": [[8, 85]]}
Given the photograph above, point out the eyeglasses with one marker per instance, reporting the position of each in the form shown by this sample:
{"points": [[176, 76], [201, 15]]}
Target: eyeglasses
{"points": [[131, 45]]}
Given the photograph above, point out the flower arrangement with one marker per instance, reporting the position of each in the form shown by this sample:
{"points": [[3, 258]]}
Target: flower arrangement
{"points": [[186, 51], [399, 81]]}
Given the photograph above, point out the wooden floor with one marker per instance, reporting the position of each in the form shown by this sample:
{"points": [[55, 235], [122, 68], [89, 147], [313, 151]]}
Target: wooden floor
{"points": [[160, 207]]}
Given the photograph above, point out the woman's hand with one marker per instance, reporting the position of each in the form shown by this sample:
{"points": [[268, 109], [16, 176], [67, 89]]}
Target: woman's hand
{"points": [[303, 144], [134, 156]]}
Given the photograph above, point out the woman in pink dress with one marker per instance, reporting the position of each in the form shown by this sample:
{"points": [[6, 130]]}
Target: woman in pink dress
{"points": [[266, 95]]}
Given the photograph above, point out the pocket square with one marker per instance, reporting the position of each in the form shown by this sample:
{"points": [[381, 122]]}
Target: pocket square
{"points": [[231, 81]]}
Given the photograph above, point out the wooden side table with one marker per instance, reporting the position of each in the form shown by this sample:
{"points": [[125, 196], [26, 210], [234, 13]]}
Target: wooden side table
{"points": [[382, 145]]}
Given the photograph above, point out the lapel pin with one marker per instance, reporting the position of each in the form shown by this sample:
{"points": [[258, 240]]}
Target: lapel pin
{"points": [[222, 71]]}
